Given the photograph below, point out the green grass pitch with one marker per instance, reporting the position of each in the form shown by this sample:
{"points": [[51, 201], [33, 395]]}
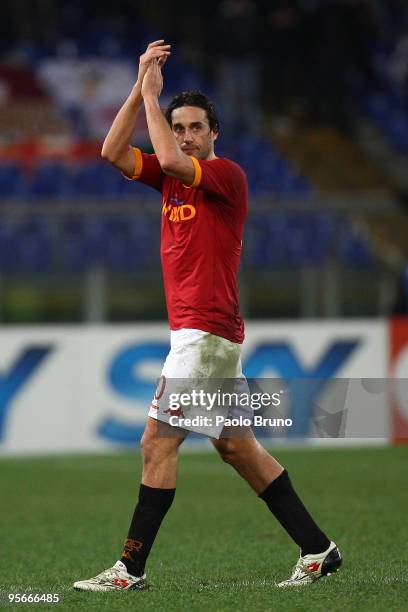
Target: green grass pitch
{"points": [[64, 519]]}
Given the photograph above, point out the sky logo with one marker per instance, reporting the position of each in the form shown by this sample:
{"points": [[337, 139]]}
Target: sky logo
{"points": [[305, 384], [13, 381], [125, 377]]}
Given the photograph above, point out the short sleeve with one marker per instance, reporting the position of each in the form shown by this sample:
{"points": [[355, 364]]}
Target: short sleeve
{"points": [[147, 170], [220, 177]]}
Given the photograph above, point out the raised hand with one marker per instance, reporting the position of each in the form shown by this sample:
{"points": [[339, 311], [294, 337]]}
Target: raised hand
{"points": [[157, 51]]}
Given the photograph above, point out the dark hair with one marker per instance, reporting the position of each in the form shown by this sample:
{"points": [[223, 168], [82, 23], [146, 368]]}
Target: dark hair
{"points": [[194, 98]]}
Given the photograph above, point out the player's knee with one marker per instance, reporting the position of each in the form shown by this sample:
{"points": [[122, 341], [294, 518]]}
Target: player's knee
{"points": [[156, 450], [228, 451]]}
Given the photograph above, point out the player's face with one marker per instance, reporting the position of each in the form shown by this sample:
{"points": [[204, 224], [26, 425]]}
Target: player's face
{"points": [[192, 131]]}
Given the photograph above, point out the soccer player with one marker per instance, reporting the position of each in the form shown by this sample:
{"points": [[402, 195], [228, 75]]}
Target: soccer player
{"points": [[203, 214]]}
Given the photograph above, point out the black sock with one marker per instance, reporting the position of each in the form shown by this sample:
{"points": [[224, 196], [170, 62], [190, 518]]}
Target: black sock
{"points": [[151, 509], [285, 505]]}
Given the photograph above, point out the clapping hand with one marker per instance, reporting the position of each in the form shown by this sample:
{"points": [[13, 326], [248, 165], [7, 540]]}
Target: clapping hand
{"points": [[156, 52]]}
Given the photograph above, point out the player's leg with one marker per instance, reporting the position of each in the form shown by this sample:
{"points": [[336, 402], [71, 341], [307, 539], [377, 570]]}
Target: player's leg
{"points": [[160, 459], [319, 556], [272, 484], [159, 447], [246, 455]]}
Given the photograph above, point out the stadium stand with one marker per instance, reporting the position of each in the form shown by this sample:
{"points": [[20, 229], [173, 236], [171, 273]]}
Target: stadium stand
{"points": [[60, 89]]}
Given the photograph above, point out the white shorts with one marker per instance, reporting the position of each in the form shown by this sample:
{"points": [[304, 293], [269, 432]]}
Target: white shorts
{"points": [[206, 364]]}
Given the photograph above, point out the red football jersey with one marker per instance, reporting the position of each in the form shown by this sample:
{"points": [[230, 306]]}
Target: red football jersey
{"points": [[201, 243]]}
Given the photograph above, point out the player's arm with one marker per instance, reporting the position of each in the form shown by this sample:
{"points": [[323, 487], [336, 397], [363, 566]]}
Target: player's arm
{"points": [[116, 148], [171, 159]]}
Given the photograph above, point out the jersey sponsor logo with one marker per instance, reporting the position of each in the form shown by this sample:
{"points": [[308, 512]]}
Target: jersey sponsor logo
{"points": [[177, 212]]}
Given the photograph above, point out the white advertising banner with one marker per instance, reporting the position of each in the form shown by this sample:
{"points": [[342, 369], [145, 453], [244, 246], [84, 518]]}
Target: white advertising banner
{"points": [[85, 388]]}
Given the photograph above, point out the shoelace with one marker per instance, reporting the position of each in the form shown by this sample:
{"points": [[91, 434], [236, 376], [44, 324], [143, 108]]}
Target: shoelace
{"points": [[300, 568], [112, 572]]}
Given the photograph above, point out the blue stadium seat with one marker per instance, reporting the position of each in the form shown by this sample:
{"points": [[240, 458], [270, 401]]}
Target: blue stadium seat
{"points": [[354, 249], [377, 106], [87, 180], [32, 246], [288, 239], [7, 245], [50, 180], [397, 128], [388, 109], [120, 243], [263, 243], [297, 239], [11, 180], [72, 245]]}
